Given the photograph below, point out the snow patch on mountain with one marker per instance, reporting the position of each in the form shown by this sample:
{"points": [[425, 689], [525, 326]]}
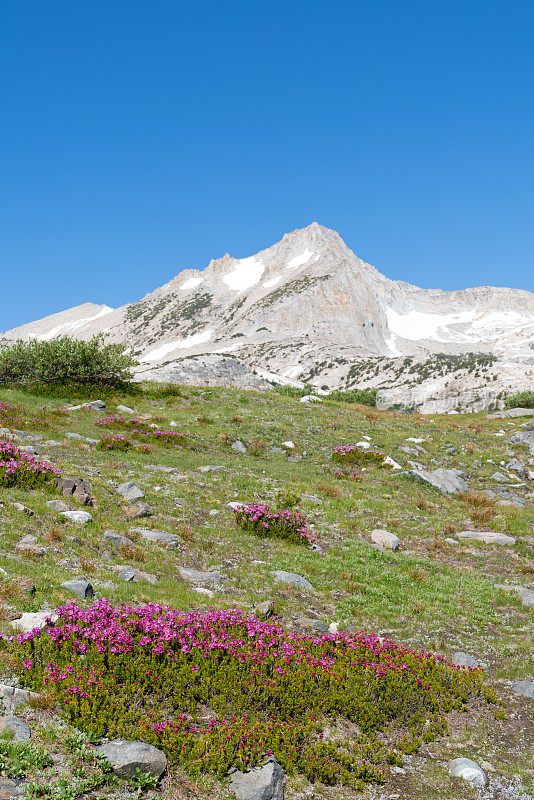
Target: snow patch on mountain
{"points": [[178, 344], [191, 283], [246, 274], [298, 261], [74, 326]]}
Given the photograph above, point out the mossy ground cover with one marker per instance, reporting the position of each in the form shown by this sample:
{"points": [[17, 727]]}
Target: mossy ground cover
{"points": [[429, 595]]}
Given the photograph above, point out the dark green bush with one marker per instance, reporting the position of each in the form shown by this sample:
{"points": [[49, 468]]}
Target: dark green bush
{"points": [[66, 362], [520, 400], [364, 397]]}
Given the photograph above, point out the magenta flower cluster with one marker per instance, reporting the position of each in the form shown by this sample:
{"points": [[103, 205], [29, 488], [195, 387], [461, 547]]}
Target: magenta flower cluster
{"points": [[150, 672], [18, 468], [264, 521], [140, 429]]}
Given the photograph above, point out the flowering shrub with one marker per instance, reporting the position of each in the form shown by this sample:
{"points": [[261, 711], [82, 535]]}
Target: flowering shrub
{"points": [[18, 468], [140, 430], [16, 416], [117, 441], [256, 447], [149, 672], [353, 476], [350, 454], [282, 524]]}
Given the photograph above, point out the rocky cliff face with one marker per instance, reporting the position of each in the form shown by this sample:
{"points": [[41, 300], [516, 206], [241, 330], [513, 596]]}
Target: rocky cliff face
{"points": [[308, 309]]}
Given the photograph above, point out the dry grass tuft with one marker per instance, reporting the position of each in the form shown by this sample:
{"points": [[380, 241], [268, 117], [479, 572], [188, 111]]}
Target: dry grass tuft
{"points": [[330, 491]]}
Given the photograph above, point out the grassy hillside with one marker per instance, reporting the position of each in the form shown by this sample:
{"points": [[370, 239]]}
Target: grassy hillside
{"points": [[436, 593]]}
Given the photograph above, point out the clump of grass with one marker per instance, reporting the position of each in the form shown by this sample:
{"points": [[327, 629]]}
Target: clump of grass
{"points": [[350, 454]]}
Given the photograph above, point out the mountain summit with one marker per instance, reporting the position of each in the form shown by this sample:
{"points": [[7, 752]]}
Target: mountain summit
{"points": [[308, 309]]}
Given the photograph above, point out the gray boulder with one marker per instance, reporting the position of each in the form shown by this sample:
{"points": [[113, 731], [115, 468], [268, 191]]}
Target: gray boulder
{"points": [[446, 480], [526, 438], [125, 410], [126, 757], [21, 732], [159, 537], [293, 579], [195, 576], [265, 782], [488, 537], [469, 771], [385, 539], [524, 689], [79, 517], [130, 491], [72, 435], [239, 446], [57, 505], [134, 575], [33, 619], [81, 589], [460, 659]]}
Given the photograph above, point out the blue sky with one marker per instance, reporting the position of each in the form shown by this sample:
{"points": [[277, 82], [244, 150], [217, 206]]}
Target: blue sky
{"points": [[142, 138]]}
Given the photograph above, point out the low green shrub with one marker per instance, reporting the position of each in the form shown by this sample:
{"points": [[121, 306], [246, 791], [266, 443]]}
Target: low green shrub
{"points": [[350, 454], [117, 441], [520, 400], [364, 397], [19, 758], [149, 672], [66, 361]]}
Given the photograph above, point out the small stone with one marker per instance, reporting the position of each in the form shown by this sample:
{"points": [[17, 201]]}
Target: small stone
{"points": [[385, 539], [79, 517], [316, 625], [126, 757], [133, 575], [20, 730], [265, 609], [288, 445], [125, 410], [239, 447], [28, 546], [12, 787], [460, 659], [81, 589], [116, 539], [23, 509], [130, 491], [265, 782], [446, 480], [469, 771], [57, 505], [72, 435], [138, 511], [235, 505], [211, 468], [293, 579]]}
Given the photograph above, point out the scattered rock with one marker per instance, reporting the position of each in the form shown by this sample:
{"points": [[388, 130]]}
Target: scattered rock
{"points": [[265, 782], [126, 757], [385, 539], [524, 689], [160, 537], [21, 732], [514, 465], [116, 539], [79, 517], [33, 619], [12, 787], [293, 579], [22, 508], [78, 488], [138, 511], [81, 589], [526, 438], [92, 405], [488, 537], [460, 659], [389, 462], [469, 771], [125, 410], [265, 609], [211, 468], [57, 505], [28, 546], [133, 575], [288, 445], [446, 480], [130, 491], [72, 435], [314, 625], [310, 398], [499, 477], [195, 576], [239, 447], [25, 585], [235, 505], [526, 595], [511, 412]]}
